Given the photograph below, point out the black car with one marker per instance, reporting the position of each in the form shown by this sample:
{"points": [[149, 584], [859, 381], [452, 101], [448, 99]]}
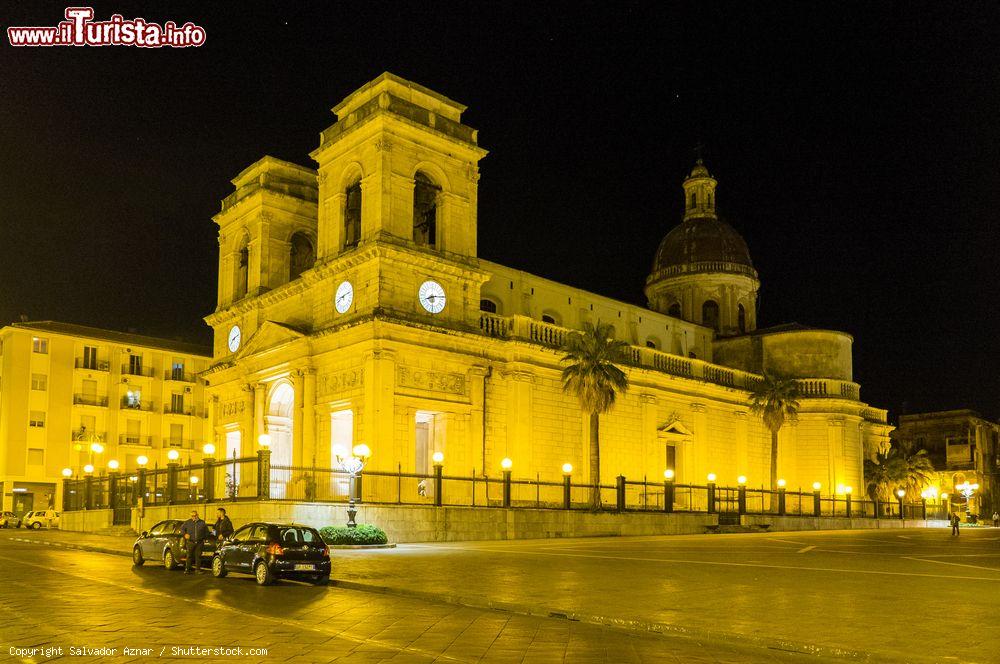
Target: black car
{"points": [[163, 542], [273, 551]]}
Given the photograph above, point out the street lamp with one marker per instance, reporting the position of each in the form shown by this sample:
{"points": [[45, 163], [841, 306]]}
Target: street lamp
{"points": [[742, 479], [208, 449], [264, 440], [354, 464], [782, 483], [142, 460], [967, 489], [438, 458], [67, 472], [816, 486], [173, 455], [668, 474], [89, 469], [113, 464], [506, 464], [711, 477]]}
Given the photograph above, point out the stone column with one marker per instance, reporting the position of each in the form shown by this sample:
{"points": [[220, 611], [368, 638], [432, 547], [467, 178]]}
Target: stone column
{"points": [[518, 446], [477, 434], [653, 454], [210, 436], [297, 423], [308, 416], [835, 447], [378, 413], [742, 443], [259, 425]]}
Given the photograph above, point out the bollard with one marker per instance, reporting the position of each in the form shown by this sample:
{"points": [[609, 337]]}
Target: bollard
{"points": [[264, 474], [438, 482], [620, 493], [668, 495], [567, 492], [711, 497], [506, 488]]}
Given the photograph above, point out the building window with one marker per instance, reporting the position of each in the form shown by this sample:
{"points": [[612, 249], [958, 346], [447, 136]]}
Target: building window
{"points": [[424, 210], [39, 382], [489, 306], [176, 403], [674, 310], [133, 430], [741, 318], [133, 399], [652, 343], [352, 215], [39, 345], [177, 369], [90, 357], [694, 200], [710, 314], [135, 365], [176, 435], [302, 256], [36, 419], [36, 457]]}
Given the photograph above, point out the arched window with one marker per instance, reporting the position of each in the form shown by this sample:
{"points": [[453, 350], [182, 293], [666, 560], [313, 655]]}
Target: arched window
{"points": [[302, 256], [243, 269], [710, 314], [425, 195], [352, 215], [674, 310], [546, 318], [741, 318], [694, 200], [489, 306], [653, 342]]}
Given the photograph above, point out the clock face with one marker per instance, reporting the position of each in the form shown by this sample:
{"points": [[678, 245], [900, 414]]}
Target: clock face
{"points": [[234, 338], [344, 297], [432, 296]]}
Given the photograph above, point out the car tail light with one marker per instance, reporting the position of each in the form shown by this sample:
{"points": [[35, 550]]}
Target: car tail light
{"points": [[326, 552], [275, 549]]}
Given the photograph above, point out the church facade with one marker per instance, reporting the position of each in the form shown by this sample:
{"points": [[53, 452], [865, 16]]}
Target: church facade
{"points": [[352, 308]]}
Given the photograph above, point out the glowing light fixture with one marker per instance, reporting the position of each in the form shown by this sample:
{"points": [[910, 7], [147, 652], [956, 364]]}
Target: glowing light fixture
{"points": [[113, 464], [362, 451], [567, 468], [668, 474], [208, 449], [711, 477], [781, 484], [900, 493], [506, 463], [67, 472], [173, 455], [264, 440], [142, 460], [742, 479], [848, 490], [88, 469], [816, 486], [194, 479], [96, 448], [438, 458]]}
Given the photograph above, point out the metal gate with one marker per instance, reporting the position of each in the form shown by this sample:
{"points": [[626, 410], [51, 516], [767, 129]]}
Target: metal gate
{"points": [[124, 498]]}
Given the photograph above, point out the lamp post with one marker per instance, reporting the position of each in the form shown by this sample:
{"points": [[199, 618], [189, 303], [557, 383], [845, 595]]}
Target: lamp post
{"points": [[741, 494], [88, 485], [847, 496], [900, 494], [668, 490], [438, 459], [67, 473], [354, 464], [263, 467], [505, 465], [710, 489], [208, 471], [781, 498], [567, 469], [140, 481], [967, 489], [193, 488], [113, 487], [172, 465], [817, 503]]}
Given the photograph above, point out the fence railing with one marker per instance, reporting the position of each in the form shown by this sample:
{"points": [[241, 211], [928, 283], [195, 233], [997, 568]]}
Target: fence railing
{"points": [[254, 478]]}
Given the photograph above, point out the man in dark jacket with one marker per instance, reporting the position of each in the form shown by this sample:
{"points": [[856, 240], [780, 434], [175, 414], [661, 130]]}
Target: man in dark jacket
{"points": [[194, 531], [223, 526]]}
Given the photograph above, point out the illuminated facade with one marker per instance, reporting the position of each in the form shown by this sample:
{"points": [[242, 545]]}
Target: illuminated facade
{"points": [[964, 449], [65, 388], [352, 307]]}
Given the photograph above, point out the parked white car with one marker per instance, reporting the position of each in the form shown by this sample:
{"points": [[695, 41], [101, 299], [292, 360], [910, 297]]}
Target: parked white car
{"points": [[41, 519]]}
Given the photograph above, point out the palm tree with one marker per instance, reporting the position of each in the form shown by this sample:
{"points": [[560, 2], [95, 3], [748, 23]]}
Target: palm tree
{"points": [[595, 380], [909, 469], [775, 399], [878, 477]]}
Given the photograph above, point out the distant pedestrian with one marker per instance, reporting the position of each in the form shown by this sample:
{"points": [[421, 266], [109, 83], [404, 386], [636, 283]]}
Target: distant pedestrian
{"points": [[996, 520], [954, 524], [223, 526], [194, 531]]}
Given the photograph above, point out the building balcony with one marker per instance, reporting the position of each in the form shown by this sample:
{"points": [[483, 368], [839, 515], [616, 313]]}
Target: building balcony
{"points": [[129, 404], [188, 411], [135, 439], [128, 370], [90, 400], [81, 363], [179, 376], [523, 328], [178, 443]]}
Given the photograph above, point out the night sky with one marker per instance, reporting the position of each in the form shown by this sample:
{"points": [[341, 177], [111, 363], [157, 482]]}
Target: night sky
{"points": [[857, 148]]}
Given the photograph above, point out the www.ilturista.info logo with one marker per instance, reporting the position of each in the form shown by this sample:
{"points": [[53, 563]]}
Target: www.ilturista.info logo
{"points": [[79, 29]]}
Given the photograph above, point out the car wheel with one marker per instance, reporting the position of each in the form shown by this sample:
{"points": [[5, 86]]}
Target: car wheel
{"points": [[169, 562], [218, 567], [320, 579], [263, 574], [37, 525], [137, 559]]}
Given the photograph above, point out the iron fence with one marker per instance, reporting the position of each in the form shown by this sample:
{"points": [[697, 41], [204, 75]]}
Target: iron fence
{"points": [[254, 478]]}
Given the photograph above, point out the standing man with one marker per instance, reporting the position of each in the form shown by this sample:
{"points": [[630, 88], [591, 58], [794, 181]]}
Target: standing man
{"points": [[954, 524], [223, 526], [194, 531], [996, 520]]}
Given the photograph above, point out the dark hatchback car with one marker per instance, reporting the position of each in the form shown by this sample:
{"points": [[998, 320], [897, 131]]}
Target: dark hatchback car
{"points": [[273, 551], [163, 542]]}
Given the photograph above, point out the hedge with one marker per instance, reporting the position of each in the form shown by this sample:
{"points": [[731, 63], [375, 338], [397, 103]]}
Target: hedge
{"points": [[362, 534]]}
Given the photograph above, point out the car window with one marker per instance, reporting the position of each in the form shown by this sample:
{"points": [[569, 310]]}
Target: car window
{"points": [[243, 534], [158, 528], [310, 536], [259, 534], [289, 536], [177, 527]]}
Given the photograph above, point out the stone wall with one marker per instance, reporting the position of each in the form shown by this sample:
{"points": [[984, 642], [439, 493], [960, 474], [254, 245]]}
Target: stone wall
{"points": [[454, 524]]}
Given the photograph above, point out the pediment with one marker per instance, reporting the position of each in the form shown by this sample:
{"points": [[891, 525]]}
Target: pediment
{"points": [[674, 428], [271, 335]]}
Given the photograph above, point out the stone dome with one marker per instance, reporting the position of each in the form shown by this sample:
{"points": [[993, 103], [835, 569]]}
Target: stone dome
{"points": [[703, 244]]}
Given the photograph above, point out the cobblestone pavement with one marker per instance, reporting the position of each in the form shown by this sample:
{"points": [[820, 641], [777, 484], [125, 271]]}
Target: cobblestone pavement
{"points": [[894, 595], [52, 597]]}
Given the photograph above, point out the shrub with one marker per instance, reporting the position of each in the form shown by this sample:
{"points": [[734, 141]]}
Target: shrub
{"points": [[363, 534]]}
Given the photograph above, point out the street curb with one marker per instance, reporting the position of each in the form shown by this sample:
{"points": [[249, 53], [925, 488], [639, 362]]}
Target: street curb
{"points": [[361, 546], [80, 547], [763, 642]]}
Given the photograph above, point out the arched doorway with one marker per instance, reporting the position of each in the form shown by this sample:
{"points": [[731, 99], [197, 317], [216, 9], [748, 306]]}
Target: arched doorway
{"points": [[279, 423]]}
